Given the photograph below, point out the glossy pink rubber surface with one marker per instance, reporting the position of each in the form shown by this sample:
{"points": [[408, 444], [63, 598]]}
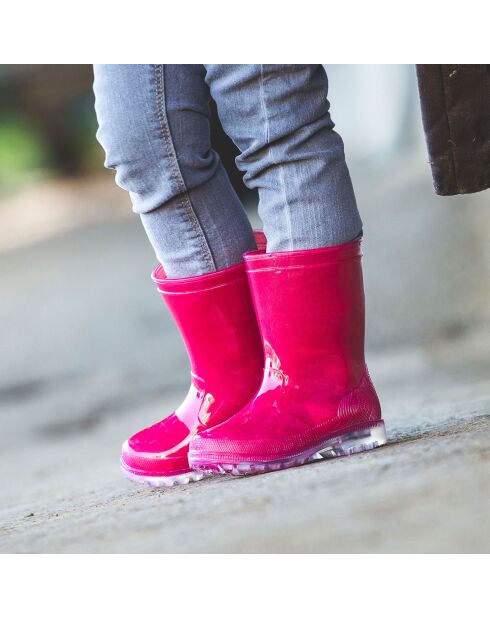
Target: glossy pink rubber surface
{"points": [[315, 386], [216, 318]]}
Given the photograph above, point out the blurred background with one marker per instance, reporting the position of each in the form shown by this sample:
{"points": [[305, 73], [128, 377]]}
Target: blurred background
{"points": [[89, 354]]}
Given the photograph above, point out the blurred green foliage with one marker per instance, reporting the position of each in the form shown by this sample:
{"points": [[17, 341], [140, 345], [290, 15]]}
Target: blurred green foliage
{"points": [[22, 150]]}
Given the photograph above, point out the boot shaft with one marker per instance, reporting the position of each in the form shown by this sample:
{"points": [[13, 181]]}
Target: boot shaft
{"points": [[310, 309], [215, 316]]}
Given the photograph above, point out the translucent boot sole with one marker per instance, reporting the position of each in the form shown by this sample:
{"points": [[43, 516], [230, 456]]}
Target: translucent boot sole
{"points": [[358, 440], [164, 481]]}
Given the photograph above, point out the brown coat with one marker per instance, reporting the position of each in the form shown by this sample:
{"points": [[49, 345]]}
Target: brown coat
{"points": [[455, 102]]}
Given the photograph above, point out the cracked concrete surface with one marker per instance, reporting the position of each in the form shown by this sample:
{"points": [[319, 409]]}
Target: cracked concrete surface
{"points": [[89, 356]]}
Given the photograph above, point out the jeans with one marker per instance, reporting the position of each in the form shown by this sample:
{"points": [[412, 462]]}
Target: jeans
{"points": [[154, 128]]}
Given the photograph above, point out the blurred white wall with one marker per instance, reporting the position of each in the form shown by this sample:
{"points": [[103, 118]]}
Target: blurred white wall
{"points": [[374, 107]]}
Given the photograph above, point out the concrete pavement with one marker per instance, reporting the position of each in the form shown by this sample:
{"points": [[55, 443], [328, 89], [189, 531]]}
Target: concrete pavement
{"points": [[89, 356]]}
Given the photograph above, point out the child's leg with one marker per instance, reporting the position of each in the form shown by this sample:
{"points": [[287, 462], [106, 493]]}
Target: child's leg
{"points": [[278, 116], [154, 127]]}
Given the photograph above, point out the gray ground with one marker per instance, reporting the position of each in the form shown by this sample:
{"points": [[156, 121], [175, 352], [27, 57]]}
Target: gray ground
{"points": [[89, 356]]}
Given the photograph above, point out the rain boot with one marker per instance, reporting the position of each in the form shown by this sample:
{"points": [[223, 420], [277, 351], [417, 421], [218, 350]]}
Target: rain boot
{"points": [[316, 398], [216, 318]]}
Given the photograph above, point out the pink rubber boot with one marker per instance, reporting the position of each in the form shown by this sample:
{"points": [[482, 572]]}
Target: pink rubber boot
{"points": [[217, 321], [316, 398]]}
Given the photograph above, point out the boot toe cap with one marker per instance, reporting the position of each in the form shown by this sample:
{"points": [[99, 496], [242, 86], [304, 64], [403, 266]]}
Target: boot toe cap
{"points": [[156, 451]]}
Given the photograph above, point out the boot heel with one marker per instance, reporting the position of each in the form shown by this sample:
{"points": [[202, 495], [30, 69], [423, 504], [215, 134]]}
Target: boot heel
{"points": [[356, 441]]}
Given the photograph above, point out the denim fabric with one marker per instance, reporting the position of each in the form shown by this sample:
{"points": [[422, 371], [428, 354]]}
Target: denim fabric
{"points": [[154, 127]]}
